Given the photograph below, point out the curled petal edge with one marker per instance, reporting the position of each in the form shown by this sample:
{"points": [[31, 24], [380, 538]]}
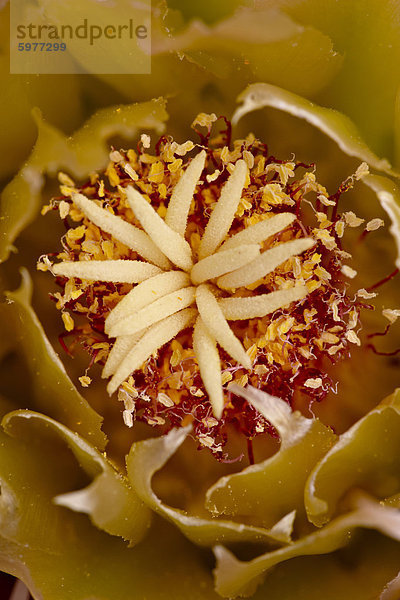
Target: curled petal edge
{"points": [[147, 457], [109, 500]]}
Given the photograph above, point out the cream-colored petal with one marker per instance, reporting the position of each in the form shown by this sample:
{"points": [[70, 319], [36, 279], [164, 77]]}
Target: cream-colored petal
{"points": [[223, 262], [264, 264], [173, 245], [259, 306], [121, 230], [182, 196], [154, 312], [122, 346], [145, 293], [224, 211], [115, 271], [153, 339], [218, 327], [258, 233], [207, 356]]}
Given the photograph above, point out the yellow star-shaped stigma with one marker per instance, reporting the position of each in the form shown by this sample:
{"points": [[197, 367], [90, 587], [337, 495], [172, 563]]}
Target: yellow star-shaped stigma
{"points": [[178, 286]]}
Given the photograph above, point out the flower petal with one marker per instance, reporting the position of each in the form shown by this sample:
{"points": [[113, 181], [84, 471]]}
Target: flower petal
{"points": [[389, 196], [146, 458], [64, 543], [108, 499], [367, 455], [50, 379], [83, 152], [267, 491], [335, 124], [239, 578]]}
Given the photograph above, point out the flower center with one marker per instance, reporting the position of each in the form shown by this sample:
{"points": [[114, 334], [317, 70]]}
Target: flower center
{"points": [[196, 267]]}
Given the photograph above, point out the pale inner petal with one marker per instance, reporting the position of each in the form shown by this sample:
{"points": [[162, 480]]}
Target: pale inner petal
{"points": [[122, 346], [173, 245], [218, 327], [258, 233], [264, 264], [153, 339], [259, 306], [128, 234], [115, 271], [207, 356], [223, 262], [145, 293], [154, 312], [182, 196], [224, 211]]}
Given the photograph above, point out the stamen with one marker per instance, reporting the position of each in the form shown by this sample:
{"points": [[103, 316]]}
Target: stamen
{"points": [[284, 338], [384, 280]]}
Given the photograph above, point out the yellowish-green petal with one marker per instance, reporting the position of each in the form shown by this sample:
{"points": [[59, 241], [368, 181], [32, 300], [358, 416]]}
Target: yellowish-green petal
{"points": [[147, 457], [109, 500], [79, 154], [366, 456], [52, 390], [238, 578], [331, 122], [268, 490], [83, 561]]}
